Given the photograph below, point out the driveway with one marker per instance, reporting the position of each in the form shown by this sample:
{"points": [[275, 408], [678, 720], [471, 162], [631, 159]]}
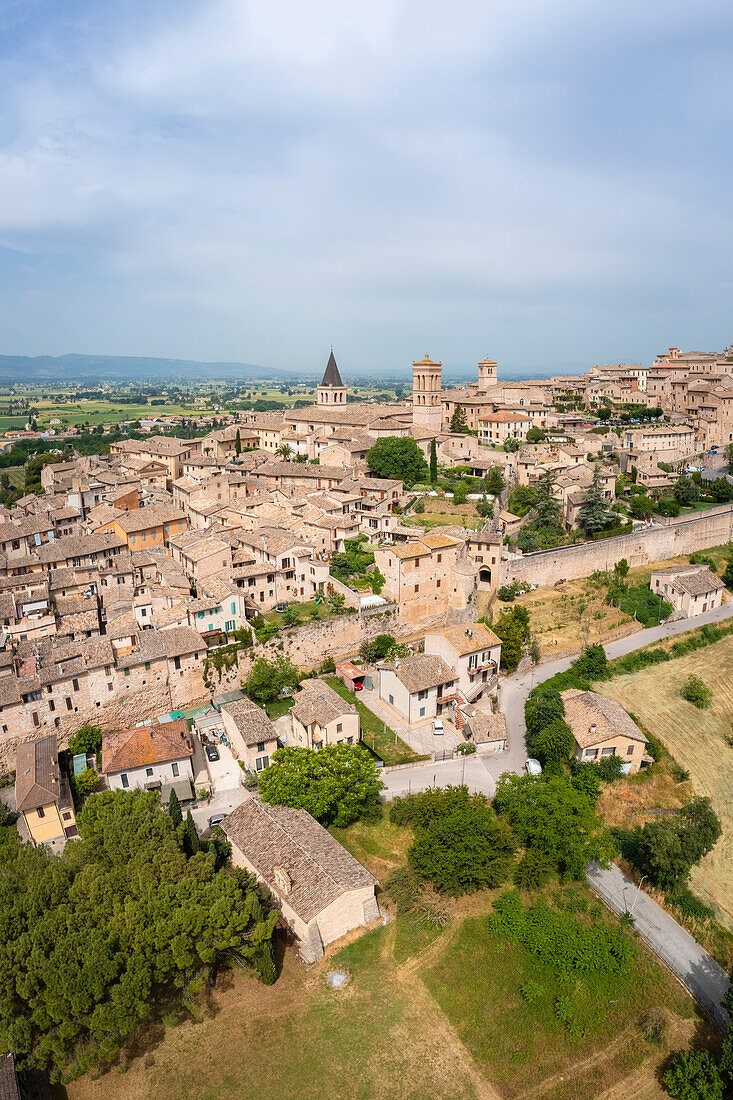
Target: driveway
{"points": [[421, 739], [695, 968], [225, 773], [222, 803]]}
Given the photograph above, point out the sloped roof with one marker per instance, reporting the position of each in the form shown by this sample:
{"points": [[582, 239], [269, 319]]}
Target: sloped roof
{"points": [[146, 745], [318, 702], [331, 376], [251, 721], [422, 671], [319, 868], [593, 718], [37, 780]]}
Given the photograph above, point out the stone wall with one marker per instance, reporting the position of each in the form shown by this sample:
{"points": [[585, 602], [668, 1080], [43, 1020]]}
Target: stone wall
{"points": [[667, 539]]}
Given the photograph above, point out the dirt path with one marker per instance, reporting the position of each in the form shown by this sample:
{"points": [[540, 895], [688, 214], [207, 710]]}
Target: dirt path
{"points": [[580, 1067], [435, 1019]]}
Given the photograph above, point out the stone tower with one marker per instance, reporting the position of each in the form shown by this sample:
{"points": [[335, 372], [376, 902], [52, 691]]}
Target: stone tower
{"points": [[487, 375], [426, 394], [331, 391]]}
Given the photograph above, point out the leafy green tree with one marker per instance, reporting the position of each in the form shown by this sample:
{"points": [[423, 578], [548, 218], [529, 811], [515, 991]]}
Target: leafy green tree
{"points": [[494, 481], [694, 1075], [512, 627], [397, 457], [91, 939], [468, 849], [721, 490], [552, 746], [337, 784], [522, 499], [290, 616], [697, 692], [593, 515], [592, 664], [666, 850], [419, 506], [458, 421], [604, 414], [685, 491], [553, 817], [536, 435], [238, 444], [640, 506], [621, 568], [543, 707], [512, 445], [728, 574], [174, 809], [433, 463], [83, 784], [532, 871], [266, 679], [485, 508], [460, 493], [87, 738]]}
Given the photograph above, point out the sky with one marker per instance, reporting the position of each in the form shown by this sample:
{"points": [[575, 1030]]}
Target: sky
{"points": [[546, 183]]}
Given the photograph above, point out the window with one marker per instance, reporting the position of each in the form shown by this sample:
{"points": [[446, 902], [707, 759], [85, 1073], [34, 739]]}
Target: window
{"points": [[339, 727], [75, 685], [590, 754], [124, 780], [260, 746], [630, 750], [41, 812], [127, 672], [422, 694], [391, 699], [440, 558], [175, 770], [608, 752], [69, 704], [176, 662], [417, 588], [422, 712], [51, 705], [148, 772]]}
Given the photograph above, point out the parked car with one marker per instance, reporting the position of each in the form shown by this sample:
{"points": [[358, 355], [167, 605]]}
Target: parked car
{"points": [[358, 686], [216, 819], [212, 752], [438, 727], [532, 766]]}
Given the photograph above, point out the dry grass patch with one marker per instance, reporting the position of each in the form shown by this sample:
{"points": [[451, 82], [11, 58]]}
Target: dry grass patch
{"points": [[698, 740], [637, 799]]}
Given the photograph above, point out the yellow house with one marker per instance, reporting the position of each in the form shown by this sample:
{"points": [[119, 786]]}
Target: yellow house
{"points": [[601, 727], [42, 792]]}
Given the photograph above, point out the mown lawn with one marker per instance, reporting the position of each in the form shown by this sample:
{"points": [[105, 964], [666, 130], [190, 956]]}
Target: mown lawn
{"points": [[374, 732]]}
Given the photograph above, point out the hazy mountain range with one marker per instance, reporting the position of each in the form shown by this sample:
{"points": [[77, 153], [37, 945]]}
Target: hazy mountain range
{"points": [[59, 369]]}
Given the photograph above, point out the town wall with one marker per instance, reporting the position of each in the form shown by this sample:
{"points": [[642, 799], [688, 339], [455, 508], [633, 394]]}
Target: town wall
{"points": [[667, 539]]}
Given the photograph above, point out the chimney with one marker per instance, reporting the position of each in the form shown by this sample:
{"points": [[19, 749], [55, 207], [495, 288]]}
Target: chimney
{"points": [[592, 729]]}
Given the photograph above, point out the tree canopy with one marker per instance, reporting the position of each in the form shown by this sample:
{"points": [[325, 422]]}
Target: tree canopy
{"points": [[555, 817], [593, 514], [91, 938], [667, 850], [337, 784], [512, 627], [458, 420], [266, 679], [397, 457], [460, 845]]}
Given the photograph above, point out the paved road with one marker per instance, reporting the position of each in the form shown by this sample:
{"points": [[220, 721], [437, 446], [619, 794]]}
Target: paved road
{"points": [[513, 690], [479, 773], [706, 981]]}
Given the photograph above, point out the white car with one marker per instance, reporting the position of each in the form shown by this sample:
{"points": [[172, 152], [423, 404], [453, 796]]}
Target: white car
{"points": [[438, 727], [532, 766]]}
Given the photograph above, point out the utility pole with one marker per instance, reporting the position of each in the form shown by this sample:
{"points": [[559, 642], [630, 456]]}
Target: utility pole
{"points": [[631, 910]]}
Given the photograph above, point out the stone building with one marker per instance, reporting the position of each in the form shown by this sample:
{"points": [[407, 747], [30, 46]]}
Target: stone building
{"points": [[691, 589], [601, 727], [320, 889], [321, 717], [331, 391]]}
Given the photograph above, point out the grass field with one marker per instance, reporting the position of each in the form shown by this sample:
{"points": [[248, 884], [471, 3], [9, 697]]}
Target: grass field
{"points": [[698, 740], [441, 512], [521, 1045], [425, 1013]]}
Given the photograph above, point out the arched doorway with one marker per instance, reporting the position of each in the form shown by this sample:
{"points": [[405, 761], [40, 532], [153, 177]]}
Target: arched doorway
{"points": [[484, 575]]}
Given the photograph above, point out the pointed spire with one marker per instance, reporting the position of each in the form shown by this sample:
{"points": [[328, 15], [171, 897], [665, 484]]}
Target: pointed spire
{"points": [[331, 376]]}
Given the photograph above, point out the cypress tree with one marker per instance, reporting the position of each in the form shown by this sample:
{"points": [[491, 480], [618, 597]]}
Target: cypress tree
{"points": [[238, 444], [190, 838], [458, 421], [433, 463], [174, 809]]}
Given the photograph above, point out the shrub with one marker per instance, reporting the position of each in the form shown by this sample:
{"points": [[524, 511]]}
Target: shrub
{"points": [[697, 692], [532, 871], [87, 738], [592, 663], [694, 1075], [328, 665]]}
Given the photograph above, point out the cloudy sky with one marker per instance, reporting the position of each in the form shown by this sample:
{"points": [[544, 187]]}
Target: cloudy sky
{"points": [[545, 182]]}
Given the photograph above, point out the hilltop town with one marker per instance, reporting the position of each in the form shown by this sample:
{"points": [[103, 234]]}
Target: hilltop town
{"points": [[190, 602]]}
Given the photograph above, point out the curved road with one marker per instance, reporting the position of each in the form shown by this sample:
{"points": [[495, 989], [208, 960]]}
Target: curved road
{"points": [[695, 968]]}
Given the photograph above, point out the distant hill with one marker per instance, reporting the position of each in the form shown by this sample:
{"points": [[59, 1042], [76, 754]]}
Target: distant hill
{"points": [[123, 368]]}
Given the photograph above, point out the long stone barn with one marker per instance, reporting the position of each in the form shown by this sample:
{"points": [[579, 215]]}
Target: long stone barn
{"points": [[320, 889]]}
